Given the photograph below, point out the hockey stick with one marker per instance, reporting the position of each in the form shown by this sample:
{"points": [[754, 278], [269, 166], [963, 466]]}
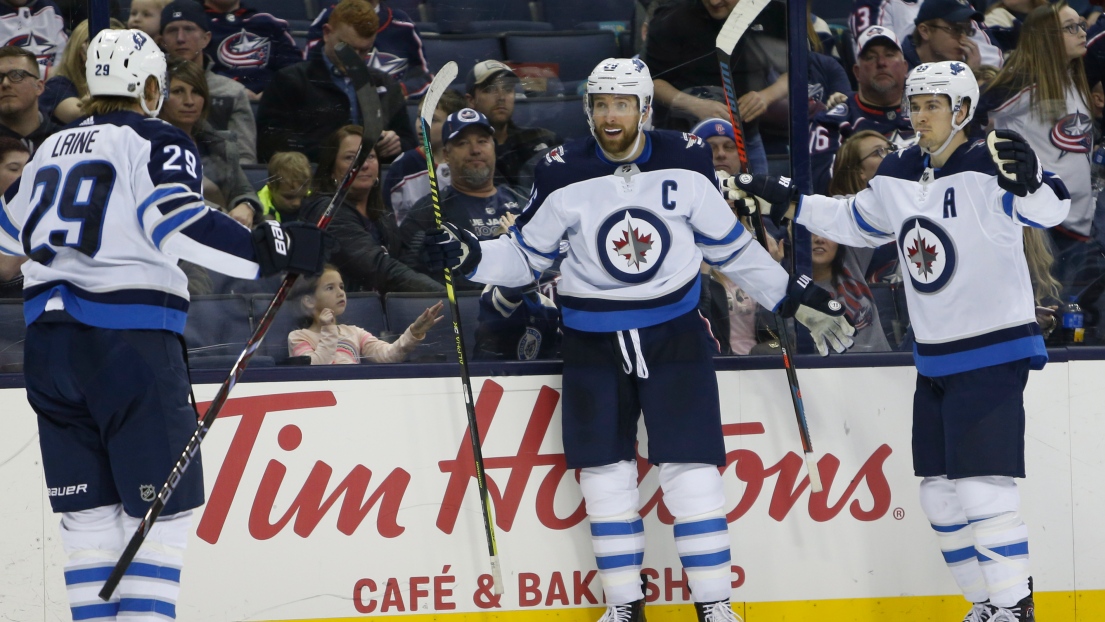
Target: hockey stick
{"points": [[372, 130], [731, 32], [442, 80]]}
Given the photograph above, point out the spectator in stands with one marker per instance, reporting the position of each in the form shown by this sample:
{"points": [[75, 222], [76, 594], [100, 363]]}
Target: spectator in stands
{"points": [[837, 269], [288, 184], [322, 301], [248, 46], [13, 157], [1046, 289], [718, 133], [490, 90], [36, 26], [61, 99], [948, 30], [364, 229], [20, 88], [1004, 19], [225, 183], [473, 202], [313, 99], [1042, 93], [145, 15], [398, 48], [184, 33], [407, 180], [880, 72]]}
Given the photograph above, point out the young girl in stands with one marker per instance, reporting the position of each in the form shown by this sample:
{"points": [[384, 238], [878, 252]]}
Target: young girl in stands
{"points": [[322, 299]]}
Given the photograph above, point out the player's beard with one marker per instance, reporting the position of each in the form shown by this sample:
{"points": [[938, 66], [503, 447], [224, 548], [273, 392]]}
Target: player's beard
{"points": [[619, 145]]}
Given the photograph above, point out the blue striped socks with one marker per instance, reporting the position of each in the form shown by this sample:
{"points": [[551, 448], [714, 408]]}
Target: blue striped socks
{"points": [[703, 545], [619, 545]]}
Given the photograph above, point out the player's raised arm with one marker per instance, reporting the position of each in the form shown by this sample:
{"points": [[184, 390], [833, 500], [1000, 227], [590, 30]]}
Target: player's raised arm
{"points": [[1029, 195]]}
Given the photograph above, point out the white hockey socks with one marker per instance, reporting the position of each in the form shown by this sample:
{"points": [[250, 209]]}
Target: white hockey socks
{"points": [[991, 504], [617, 531], [941, 505], [695, 496], [151, 585], [93, 540]]}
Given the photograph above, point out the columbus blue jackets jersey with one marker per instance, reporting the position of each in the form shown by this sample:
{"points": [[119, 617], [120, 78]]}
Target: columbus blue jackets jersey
{"points": [[637, 234], [248, 46], [832, 127], [960, 244], [104, 210], [37, 28]]}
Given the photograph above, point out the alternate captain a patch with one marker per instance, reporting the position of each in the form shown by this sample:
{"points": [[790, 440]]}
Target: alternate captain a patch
{"points": [[632, 244], [929, 254]]}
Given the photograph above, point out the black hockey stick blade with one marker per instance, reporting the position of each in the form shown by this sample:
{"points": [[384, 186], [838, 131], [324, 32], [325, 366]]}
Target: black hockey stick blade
{"points": [[441, 82], [371, 135]]}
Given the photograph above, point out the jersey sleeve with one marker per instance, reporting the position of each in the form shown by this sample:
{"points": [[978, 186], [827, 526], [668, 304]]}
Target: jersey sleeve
{"points": [[175, 218], [533, 243], [1045, 208], [852, 221], [9, 225], [730, 248]]}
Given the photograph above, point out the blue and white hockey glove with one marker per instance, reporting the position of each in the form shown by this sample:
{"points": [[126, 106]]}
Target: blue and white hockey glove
{"points": [[451, 247], [777, 191], [816, 310], [298, 247], [1019, 169]]}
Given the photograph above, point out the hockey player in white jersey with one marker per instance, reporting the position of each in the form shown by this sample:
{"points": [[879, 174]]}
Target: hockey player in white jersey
{"points": [[640, 210], [955, 208], [104, 211]]}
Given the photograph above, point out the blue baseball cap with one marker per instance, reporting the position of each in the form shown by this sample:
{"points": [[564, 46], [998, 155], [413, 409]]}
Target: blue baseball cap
{"points": [[714, 127], [951, 11], [183, 11], [462, 120]]}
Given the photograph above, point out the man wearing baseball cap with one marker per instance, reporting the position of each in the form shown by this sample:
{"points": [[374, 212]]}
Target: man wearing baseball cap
{"points": [[473, 202], [880, 72], [950, 30], [718, 133], [490, 90]]}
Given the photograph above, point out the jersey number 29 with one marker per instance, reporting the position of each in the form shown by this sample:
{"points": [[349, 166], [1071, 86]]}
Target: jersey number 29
{"points": [[84, 195]]}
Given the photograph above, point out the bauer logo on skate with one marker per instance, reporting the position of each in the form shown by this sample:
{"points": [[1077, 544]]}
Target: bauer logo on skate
{"points": [[529, 483]]}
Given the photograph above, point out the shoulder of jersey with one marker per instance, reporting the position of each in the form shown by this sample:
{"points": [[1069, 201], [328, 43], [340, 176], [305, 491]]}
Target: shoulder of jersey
{"points": [[907, 164], [152, 129], [665, 141], [975, 158]]}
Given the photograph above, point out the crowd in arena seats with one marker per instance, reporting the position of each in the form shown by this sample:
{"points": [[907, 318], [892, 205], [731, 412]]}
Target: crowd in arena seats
{"points": [[276, 117]]}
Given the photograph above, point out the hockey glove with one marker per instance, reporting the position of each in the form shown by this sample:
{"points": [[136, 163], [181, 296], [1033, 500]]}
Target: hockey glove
{"points": [[296, 247], [1019, 170], [451, 247], [777, 191], [816, 310]]}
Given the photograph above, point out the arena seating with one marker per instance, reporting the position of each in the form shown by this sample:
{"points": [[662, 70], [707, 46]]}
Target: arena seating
{"points": [[440, 344]]}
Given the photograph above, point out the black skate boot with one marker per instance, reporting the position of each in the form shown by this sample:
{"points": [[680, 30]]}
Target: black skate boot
{"points": [[1024, 611], [632, 612], [719, 611]]}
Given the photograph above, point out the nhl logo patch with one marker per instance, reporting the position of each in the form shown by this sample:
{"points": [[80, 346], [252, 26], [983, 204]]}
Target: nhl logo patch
{"points": [[147, 492], [632, 244], [928, 254]]}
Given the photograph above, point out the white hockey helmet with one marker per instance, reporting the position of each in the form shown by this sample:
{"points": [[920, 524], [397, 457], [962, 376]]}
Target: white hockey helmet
{"points": [[620, 76], [952, 78], [119, 61]]}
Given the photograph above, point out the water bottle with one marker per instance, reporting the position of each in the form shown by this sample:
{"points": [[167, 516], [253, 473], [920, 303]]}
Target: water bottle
{"points": [[1097, 174], [1073, 330]]}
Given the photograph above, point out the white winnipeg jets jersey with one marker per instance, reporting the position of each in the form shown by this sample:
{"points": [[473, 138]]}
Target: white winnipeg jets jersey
{"points": [[960, 243], [104, 210], [637, 234]]}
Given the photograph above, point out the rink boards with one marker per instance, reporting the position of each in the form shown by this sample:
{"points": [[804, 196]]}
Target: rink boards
{"points": [[355, 499]]}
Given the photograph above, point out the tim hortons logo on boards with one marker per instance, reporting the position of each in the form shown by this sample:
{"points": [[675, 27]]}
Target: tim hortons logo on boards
{"points": [[360, 490]]}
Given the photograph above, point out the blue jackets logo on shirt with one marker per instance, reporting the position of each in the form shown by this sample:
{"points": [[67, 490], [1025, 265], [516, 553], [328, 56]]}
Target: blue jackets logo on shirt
{"points": [[244, 49], [633, 244], [1072, 133], [929, 254]]}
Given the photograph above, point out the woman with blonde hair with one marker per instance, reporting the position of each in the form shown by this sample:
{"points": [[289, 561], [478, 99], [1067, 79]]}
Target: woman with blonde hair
{"points": [[67, 85], [857, 160]]}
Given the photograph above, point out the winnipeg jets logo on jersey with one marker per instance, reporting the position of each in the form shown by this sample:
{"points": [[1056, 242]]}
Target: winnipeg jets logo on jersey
{"points": [[245, 49], [556, 155], [929, 254], [692, 140], [1072, 134], [633, 243]]}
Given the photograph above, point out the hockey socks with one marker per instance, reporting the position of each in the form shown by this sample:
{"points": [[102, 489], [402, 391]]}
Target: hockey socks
{"points": [[617, 531], [695, 496], [941, 505], [93, 540], [151, 585], [1001, 537]]}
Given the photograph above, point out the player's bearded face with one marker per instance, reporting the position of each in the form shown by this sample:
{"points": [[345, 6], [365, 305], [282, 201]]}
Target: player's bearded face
{"points": [[616, 118]]}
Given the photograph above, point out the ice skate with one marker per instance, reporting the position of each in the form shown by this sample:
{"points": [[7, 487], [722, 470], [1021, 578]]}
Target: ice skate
{"points": [[719, 611], [980, 612], [632, 612], [1024, 611]]}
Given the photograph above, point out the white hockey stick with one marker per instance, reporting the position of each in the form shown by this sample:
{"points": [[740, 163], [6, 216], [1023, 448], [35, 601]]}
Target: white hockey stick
{"points": [[734, 28], [442, 80]]}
